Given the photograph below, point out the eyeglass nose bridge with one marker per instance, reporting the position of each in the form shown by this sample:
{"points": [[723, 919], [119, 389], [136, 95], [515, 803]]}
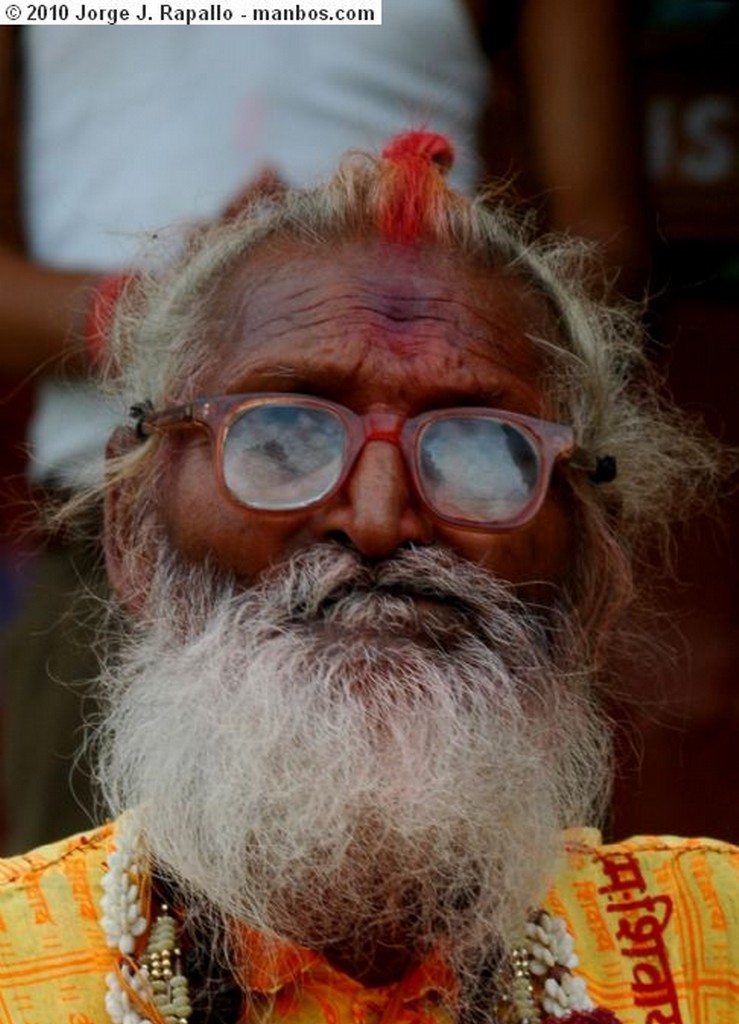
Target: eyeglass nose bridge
{"points": [[376, 426], [391, 427], [382, 426]]}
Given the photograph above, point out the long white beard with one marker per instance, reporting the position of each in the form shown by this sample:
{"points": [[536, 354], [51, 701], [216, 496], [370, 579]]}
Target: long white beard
{"points": [[329, 759]]}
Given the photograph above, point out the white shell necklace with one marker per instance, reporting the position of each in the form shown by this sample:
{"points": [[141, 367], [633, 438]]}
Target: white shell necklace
{"points": [[152, 987]]}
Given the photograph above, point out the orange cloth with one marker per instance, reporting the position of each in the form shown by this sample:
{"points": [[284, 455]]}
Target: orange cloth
{"points": [[297, 984], [655, 923]]}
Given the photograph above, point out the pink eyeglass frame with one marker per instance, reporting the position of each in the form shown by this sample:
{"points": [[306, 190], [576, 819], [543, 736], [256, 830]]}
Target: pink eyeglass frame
{"points": [[553, 442]]}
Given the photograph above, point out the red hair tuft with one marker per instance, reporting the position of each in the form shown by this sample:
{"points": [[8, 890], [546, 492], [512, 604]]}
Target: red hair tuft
{"points": [[416, 163], [428, 146]]}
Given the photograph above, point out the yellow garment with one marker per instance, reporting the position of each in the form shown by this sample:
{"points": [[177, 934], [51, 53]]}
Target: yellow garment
{"points": [[655, 923], [53, 957], [656, 926]]}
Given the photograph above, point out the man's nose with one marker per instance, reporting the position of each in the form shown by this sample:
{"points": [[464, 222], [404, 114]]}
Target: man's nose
{"points": [[377, 510]]}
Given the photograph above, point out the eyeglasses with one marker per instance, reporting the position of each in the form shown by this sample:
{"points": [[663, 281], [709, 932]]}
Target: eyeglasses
{"points": [[473, 467]]}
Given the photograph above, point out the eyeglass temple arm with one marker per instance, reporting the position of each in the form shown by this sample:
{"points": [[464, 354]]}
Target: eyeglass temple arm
{"points": [[601, 469], [146, 420]]}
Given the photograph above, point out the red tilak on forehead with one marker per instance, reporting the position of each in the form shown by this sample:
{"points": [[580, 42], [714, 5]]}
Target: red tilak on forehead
{"points": [[413, 181]]}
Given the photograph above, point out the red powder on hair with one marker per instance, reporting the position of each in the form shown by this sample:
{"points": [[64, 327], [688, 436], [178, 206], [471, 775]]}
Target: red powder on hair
{"points": [[412, 182]]}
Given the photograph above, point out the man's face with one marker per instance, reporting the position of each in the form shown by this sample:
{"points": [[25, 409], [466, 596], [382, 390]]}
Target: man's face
{"points": [[376, 328], [410, 781]]}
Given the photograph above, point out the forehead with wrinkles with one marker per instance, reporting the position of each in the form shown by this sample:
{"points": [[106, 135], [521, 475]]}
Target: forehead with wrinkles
{"points": [[366, 307]]}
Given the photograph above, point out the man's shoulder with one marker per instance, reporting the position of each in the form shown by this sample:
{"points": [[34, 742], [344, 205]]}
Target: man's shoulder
{"points": [[584, 849], [651, 864], [89, 846], [655, 921], [591, 839], [52, 945]]}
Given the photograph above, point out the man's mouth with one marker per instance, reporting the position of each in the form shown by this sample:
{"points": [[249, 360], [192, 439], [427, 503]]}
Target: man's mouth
{"points": [[393, 611]]}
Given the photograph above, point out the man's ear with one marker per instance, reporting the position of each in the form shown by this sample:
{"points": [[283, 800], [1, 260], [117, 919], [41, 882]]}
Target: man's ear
{"points": [[127, 565]]}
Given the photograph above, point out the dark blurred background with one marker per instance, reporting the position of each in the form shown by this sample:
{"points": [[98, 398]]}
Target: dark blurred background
{"points": [[683, 773], [678, 717]]}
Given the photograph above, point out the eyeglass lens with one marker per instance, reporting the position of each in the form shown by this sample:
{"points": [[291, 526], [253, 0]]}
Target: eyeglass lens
{"points": [[286, 456], [477, 468], [282, 457]]}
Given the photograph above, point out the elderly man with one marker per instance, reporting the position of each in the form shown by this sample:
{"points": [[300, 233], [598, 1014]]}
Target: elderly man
{"points": [[373, 527]]}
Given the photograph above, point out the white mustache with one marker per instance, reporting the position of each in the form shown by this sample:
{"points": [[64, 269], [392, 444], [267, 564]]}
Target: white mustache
{"points": [[327, 576]]}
